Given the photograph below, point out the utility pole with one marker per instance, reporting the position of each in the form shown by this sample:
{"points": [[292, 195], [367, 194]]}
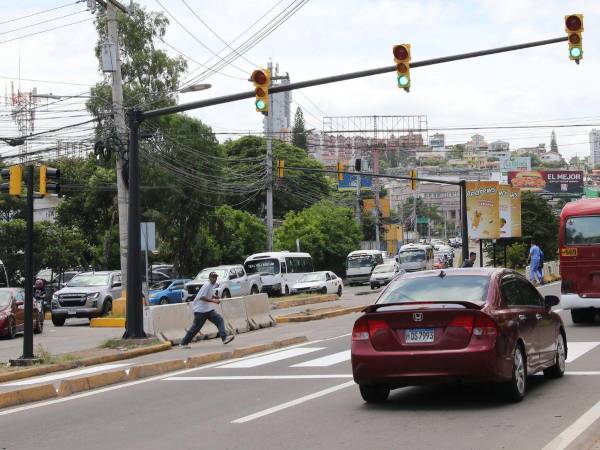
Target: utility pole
{"points": [[119, 118], [415, 197], [269, 121]]}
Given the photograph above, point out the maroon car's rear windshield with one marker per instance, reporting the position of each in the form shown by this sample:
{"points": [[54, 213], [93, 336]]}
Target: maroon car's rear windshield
{"points": [[456, 288]]}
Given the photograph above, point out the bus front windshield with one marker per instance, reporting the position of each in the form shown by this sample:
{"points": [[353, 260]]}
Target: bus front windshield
{"points": [[360, 261], [411, 256], [263, 266]]}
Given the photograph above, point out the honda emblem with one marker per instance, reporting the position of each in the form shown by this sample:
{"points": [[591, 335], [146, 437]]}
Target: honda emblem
{"points": [[418, 317]]}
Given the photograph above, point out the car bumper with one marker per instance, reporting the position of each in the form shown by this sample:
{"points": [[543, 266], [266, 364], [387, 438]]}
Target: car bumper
{"points": [[358, 278], [575, 301], [271, 288], [381, 282], [397, 369], [76, 312]]}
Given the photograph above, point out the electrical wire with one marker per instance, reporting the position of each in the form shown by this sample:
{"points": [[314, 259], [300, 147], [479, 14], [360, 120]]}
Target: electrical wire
{"points": [[47, 30], [42, 12], [42, 22]]}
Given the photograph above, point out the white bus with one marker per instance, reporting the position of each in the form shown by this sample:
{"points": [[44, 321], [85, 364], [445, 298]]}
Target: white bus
{"points": [[360, 264], [279, 271], [415, 257]]}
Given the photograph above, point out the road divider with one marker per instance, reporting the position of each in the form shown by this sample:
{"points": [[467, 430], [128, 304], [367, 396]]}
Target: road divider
{"points": [[74, 385], [157, 368], [27, 395], [318, 315], [258, 310], [288, 303]]}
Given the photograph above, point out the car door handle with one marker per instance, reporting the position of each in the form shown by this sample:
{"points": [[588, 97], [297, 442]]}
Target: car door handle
{"points": [[538, 316], [522, 316]]}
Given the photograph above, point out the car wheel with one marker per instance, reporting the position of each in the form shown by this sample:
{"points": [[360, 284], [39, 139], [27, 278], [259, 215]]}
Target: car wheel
{"points": [[582, 315], [106, 307], [323, 290], [374, 394], [515, 388], [287, 290], [11, 329], [39, 324], [164, 301], [254, 290], [225, 294], [58, 322], [339, 291], [558, 369]]}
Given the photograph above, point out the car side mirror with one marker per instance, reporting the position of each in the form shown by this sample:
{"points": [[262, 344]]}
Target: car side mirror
{"points": [[551, 300], [116, 284]]}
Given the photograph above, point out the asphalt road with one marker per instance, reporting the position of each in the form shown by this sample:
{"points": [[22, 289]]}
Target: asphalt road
{"points": [[304, 398]]}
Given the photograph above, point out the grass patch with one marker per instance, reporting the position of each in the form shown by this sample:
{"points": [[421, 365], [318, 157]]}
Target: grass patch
{"points": [[47, 358], [128, 344]]}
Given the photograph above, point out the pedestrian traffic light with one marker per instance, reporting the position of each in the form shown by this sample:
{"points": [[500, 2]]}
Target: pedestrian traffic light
{"points": [[49, 174], [280, 168], [574, 28], [357, 164], [402, 60], [13, 179], [262, 80], [340, 169], [413, 181]]}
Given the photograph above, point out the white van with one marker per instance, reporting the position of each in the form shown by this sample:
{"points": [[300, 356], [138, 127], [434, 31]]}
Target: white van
{"points": [[360, 265], [279, 271], [415, 257]]}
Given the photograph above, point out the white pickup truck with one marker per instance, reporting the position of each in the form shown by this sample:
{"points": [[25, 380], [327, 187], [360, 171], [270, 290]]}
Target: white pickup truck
{"points": [[232, 281]]}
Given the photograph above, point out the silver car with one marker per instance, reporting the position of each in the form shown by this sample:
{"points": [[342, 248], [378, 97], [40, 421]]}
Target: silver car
{"points": [[87, 295], [384, 273]]}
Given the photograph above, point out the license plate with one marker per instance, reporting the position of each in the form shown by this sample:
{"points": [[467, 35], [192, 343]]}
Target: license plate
{"points": [[419, 335], [71, 313]]}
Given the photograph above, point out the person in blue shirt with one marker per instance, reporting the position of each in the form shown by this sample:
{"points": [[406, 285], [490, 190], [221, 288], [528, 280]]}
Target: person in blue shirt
{"points": [[534, 260]]}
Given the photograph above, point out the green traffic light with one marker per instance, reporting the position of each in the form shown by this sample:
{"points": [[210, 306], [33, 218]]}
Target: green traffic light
{"points": [[575, 52], [403, 80], [260, 104]]}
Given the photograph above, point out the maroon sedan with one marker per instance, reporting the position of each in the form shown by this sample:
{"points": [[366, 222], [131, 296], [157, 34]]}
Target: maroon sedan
{"points": [[12, 313], [466, 325]]}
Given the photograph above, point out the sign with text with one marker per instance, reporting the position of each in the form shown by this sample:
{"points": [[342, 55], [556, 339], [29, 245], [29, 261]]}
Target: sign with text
{"points": [[483, 209], [349, 182], [510, 211], [568, 183], [508, 163]]}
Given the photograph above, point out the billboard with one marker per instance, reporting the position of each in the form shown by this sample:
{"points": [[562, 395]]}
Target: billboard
{"points": [[349, 183], [369, 206], [510, 211], [508, 163], [568, 183], [483, 209]]}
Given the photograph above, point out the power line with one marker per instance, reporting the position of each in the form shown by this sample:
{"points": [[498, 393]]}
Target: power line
{"points": [[45, 31], [42, 22], [41, 12]]}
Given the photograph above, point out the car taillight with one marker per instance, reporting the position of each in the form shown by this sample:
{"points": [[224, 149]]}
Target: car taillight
{"points": [[465, 322], [376, 325], [485, 326], [360, 332]]}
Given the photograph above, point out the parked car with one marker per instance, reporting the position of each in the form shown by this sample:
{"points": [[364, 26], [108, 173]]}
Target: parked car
{"points": [[232, 281], [88, 295], [457, 325], [324, 282], [12, 313], [166, 292], [384, 273]]}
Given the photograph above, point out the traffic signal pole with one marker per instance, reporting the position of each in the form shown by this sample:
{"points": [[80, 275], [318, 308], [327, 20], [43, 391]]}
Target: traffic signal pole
{"points": [[28, 334]]}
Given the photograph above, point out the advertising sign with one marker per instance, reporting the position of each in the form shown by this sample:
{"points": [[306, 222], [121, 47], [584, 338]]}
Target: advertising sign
{"points": [[369, 206], [510, 211], [349, 183], [567, 183], [483, 209], [508, 163]]}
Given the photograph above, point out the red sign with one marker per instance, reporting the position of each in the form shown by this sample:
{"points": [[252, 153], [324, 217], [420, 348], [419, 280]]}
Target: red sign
{"points": [[555, 182]]}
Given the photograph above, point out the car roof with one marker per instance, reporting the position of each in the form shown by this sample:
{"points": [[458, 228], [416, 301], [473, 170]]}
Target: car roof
{"points": [[471, 271], [100, 272]]}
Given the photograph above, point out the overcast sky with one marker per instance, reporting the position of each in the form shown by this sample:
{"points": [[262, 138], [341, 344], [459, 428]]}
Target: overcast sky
{"points": [[327, 37]]}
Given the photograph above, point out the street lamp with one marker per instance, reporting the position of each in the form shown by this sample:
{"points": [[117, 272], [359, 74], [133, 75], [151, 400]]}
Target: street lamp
{"points": [[195, 87]]}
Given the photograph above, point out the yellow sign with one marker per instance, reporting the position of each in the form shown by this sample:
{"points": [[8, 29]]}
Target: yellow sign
{"points": [[483, 209], [369, 205], [510, 211], [568, 252]]}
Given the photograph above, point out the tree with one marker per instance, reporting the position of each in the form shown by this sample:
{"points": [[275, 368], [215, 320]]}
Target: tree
{"points": [[423, 210], [238, 233], [553, 144], [457, 151], [327, 231], [299, 130]]}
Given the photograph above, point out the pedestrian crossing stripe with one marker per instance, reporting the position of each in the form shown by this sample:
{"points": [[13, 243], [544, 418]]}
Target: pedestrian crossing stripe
{"points": [[273, 357]]}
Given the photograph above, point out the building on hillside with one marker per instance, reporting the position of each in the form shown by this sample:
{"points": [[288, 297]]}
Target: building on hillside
{"points": [[44, 209], [539, 150], [499, 146], [594, 147], [476, 144], [551, 157], [438, 141]]}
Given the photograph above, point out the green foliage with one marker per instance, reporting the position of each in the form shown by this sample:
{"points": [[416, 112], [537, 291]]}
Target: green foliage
{"points": [[299, 130], [457, 151], [326, 231], [516, 255]]}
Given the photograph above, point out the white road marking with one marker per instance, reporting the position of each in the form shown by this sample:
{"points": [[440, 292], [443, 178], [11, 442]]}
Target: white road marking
{"points": [[295, 402], [573, 431], [589, 372], [259, 377], [577, 349], [261, 360], [67, 374], [326, 361]]}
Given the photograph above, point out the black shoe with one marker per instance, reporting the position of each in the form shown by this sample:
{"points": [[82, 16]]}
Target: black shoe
{"points": [[228, 339]]}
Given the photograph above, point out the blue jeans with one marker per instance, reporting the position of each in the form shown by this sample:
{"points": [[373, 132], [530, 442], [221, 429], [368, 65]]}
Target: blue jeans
{"points": [[199, 320]]}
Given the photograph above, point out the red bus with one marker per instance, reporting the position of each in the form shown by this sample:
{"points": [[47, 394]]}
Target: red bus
{"points": [[579, 241]]}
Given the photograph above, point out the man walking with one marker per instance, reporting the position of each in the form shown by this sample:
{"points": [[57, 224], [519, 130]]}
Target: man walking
{"points": [[204, 310], [533, 259], [469, 262]]}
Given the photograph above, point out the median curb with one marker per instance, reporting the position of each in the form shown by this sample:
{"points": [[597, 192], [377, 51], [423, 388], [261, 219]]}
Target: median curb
{"points": [[279, 304], [36, 371], [108, 322], [75, 385], [318, 316]]}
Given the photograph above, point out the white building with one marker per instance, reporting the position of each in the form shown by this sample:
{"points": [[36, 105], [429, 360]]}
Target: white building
{"points": [[594, 147], [438, 141], [499, 146], [44, 209]]}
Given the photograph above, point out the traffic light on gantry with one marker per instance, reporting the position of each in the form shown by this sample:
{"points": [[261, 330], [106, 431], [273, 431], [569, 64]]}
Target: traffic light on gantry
{"points": [[574, 29], [12, 178], [49, 178], [280, 168], [262, 80], [340, 169], [402, 60], [413, 181]]}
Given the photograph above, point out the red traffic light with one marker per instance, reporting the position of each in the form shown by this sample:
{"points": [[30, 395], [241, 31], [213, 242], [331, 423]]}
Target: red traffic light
{"points": [[400, 52], [573, 23], [259, 77]]}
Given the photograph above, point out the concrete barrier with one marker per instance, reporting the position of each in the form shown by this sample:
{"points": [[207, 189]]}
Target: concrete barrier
{"points": [[550, 268], [27, 395], [258, 310], [151, 369], [234, 314], [200, 360]]}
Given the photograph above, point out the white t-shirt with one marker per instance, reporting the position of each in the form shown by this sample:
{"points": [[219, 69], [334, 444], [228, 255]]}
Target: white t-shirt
{"points": [[201, 306]]}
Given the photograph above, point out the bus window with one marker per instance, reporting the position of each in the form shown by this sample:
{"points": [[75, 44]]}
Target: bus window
{"points": [[582, 230], [283, 268]]}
